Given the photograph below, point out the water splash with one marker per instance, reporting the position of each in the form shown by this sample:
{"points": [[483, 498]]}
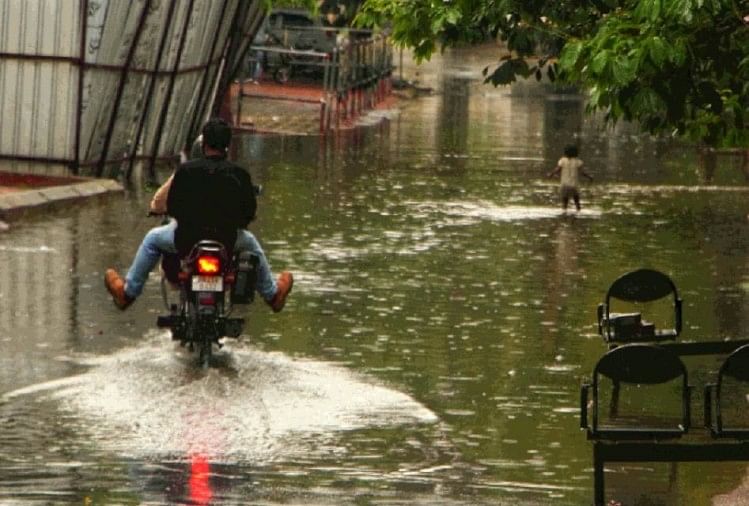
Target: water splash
{"points": [[253, 406]]}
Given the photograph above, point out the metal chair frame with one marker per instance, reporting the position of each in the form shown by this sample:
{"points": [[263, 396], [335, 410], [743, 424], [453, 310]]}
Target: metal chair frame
{"points": [[642, 364], [736, 366], [642, 285]]}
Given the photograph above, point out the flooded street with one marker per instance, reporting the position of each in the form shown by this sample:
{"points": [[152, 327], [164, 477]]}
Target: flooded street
{"points": [[442, 320]]}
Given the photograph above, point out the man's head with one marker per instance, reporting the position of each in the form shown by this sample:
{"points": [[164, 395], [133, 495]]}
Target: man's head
{"points": [[216, 135]]}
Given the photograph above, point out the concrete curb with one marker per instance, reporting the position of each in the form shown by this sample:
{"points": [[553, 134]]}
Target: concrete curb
{"points": [[16, 204]]}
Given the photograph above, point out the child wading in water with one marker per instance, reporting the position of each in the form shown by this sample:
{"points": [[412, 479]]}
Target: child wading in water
{"points": [[571, 167]]}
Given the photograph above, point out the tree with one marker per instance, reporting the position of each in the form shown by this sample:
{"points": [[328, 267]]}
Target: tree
{"points": [[675, 66], [679, 67]]}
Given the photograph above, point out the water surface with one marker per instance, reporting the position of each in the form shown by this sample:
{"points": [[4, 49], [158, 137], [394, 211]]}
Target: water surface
{"points": [[441, 323]]}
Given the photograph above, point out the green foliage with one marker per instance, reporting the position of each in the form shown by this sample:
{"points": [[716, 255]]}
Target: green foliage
{"points": [[679, 67], [675, 66]]}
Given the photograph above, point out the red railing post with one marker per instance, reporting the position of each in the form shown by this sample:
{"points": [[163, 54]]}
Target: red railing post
{"points": [[322, 116]]}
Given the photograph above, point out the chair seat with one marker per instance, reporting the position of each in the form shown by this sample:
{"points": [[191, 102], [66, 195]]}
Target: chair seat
{"points": [[729, 433], [634, 434], [657, 336]]}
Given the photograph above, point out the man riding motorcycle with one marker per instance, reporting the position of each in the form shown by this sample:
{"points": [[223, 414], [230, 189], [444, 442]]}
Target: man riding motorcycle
{"points": [[209, 198]]}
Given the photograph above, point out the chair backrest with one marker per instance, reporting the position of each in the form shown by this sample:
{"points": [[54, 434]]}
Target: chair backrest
{"points": [[643, 285], [640, 286], [735, 366], [642, 364]]}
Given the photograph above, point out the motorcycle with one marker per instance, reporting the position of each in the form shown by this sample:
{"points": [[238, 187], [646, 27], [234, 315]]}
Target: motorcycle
{"points": [[208, 284]]}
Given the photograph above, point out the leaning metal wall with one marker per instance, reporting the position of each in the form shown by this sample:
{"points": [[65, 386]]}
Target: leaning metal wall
{"points": [[89, 86]]}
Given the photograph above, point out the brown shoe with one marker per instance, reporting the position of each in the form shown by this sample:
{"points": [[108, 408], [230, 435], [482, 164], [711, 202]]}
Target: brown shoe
{"points": [[116, 287], [283, 287]]}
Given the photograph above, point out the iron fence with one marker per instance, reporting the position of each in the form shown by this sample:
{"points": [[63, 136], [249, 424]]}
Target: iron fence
{"points": [[353, 75]]}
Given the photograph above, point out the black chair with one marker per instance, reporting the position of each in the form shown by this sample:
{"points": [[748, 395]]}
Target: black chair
{"points": [[736, 366], [643, 285], [639, 364]]}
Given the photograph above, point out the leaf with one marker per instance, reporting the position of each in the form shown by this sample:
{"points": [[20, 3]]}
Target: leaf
{"points": [[624, 70], [600, 62], [508, 71], [649, 10], [570, 54], [551, 73], [658, 51], [453, 16]]}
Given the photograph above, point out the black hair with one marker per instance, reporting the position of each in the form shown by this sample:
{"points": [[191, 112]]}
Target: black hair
{"points": [[570, 151], [217, 134]]}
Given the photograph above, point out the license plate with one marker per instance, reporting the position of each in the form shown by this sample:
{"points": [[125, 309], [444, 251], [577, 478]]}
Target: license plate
{"points": [[207, 284]]}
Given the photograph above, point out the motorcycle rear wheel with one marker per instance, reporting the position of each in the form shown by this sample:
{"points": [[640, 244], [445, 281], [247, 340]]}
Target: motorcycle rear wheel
{"points": [[205, 351]]}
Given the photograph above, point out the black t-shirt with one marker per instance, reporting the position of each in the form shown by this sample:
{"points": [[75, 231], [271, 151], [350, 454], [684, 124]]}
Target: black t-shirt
{"points": [[210, 198]]}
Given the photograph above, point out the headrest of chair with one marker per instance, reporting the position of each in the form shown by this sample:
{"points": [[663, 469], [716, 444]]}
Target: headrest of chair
{"points": [[643, 285], [641, 364]]}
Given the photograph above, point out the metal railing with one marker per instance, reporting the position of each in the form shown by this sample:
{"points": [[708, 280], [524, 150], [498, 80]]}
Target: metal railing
{"points": [[355, 73]]}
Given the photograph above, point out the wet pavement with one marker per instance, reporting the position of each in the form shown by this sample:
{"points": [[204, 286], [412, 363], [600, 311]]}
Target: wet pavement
{"points": [[442, 320]]}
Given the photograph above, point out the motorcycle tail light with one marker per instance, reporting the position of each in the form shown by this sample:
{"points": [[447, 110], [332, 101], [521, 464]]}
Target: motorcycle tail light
{"points": [[208, 265]]}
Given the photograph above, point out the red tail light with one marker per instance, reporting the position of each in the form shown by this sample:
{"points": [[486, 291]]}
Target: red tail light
{"points": [[208, 265]]}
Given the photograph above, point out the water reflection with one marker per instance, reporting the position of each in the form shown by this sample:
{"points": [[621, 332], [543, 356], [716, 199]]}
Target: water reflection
{"points": [[199, 483], [453, 126]]}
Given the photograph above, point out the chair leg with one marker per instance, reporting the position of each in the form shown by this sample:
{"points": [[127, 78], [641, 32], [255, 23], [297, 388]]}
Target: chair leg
{"points": [[599, 495]]}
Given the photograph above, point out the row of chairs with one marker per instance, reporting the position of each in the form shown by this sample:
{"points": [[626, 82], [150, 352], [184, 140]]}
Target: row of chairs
{"points": [[647, 364], [640, 362]]}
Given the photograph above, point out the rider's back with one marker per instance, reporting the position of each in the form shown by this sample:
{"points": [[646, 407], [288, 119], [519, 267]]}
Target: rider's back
{"points": [[210, 198]]}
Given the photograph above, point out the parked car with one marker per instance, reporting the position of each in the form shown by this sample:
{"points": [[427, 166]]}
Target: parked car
{"points": [[296, 29], [287, 30]]}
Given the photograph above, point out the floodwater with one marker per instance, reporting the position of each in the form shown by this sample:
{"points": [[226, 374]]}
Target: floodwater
{"points": [[432, 351]]}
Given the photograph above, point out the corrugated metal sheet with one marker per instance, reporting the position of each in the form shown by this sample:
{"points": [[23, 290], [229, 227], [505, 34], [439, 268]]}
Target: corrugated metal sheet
{"points": [[38, 96], [150, 70]]}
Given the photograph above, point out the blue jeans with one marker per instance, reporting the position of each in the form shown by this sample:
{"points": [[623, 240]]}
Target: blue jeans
{"points": [[160, 240]]}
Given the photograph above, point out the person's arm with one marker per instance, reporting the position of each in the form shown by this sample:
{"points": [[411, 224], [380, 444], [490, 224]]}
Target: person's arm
{"points": [[555, 171], [582, 171], [158, 202], [176, 200]]}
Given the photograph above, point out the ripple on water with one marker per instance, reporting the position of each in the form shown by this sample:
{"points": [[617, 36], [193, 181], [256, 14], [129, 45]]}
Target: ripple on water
{"points": [[485, 210]]}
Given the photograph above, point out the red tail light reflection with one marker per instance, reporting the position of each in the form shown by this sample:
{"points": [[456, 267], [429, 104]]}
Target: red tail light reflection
{"points": [[200, 486], [208, 265]]}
